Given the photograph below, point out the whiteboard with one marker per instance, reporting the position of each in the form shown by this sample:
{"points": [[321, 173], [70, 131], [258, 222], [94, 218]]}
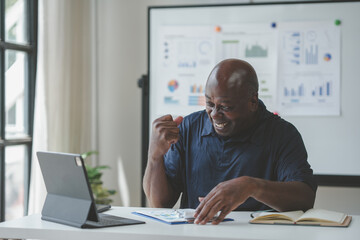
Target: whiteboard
{"points": [[332, 140]]}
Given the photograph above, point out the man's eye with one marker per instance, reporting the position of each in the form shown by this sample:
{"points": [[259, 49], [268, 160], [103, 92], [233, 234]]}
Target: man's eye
{"points": [[226, 109], [209, 104]]}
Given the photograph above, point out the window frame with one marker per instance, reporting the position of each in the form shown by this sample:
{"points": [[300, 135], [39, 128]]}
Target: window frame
{"points": [[30, 48]]}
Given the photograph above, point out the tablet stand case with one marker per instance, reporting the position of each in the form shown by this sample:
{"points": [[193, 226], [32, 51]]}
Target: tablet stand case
{"points": [[69, 200]]}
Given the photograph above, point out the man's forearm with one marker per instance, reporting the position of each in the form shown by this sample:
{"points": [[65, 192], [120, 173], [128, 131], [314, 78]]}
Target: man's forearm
{"points": [[283, 196], [156, 186]]}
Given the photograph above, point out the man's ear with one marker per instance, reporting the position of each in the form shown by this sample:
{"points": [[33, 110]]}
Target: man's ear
{"points": [[254, 102]]}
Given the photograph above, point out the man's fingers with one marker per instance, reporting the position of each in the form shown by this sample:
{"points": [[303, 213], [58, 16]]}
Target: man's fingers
{"points": [[198, 209], [167, 122], [221, 216], [167, 117], [178, 120], [172, 139], [200, 206], [212, 211], [164, 124], [169, 130], [206, 205], [203, 201], [165, 132]]}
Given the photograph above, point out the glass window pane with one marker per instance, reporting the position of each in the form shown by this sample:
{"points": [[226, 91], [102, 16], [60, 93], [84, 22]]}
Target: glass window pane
{"points": [[15, 66], [14, 181], [15, 21]]}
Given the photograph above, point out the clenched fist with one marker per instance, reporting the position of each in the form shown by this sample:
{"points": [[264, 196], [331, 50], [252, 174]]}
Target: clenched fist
{"points": [[165, 132]]}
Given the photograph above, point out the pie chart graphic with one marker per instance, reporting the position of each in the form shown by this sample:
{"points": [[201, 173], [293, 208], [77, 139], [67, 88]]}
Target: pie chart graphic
{"points": [[327, 57], [173, 85]]}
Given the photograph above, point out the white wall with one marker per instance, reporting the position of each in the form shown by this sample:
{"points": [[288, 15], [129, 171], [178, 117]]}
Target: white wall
{"points": [[342, 199], [122, 59]]}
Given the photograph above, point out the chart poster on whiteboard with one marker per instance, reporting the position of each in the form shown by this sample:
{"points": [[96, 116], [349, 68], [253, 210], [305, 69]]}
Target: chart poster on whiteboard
{"points": [[257, 44], [309, 69], [297, 64], [186, 59], [189, 53]]}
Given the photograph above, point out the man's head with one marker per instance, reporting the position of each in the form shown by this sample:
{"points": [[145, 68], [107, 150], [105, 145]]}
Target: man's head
{"points": [[232, 97]]}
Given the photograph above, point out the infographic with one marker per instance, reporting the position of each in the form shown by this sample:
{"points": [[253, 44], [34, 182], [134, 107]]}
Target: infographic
{"points": [[297, 64]]}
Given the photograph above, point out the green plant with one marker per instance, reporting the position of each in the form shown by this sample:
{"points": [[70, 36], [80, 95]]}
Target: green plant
{"points": [[101, 194]]}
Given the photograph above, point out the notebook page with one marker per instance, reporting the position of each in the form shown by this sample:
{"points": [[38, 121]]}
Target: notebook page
{"points": [[293, 215], [323, 215]]}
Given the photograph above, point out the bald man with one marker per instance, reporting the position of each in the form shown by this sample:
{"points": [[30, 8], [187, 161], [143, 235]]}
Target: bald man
{"points": [[235, 155]]}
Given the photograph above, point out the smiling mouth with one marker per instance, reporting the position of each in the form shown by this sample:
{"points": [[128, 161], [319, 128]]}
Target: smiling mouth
{"points": [[221, 125]]}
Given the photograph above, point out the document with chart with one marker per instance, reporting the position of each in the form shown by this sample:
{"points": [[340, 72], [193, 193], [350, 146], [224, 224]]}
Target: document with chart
{"points": [[309, 68]]}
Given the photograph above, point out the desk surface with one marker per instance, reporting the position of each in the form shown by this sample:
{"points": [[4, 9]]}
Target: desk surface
{"points": [[35, 228]]}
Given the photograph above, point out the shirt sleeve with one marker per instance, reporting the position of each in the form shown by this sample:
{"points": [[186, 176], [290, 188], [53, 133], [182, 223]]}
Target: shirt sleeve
{"points": [[173, 161], [292, 164]]}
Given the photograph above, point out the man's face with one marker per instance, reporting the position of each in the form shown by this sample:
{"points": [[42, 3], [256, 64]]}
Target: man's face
{"points": [[230, 109]]}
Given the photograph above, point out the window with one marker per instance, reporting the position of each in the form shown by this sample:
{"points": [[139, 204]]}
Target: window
{"points": [[18, 44]]}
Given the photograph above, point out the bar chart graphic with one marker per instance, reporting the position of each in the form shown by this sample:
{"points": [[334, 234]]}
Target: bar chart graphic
{"points": [[256, 51], [197, 88], [322, 90], [307, 91], [312, 54], [230, 49], [294, 92], [197, 100]]}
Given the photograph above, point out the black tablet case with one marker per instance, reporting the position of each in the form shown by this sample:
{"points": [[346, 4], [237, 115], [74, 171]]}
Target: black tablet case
{"points": [[69, 197]]}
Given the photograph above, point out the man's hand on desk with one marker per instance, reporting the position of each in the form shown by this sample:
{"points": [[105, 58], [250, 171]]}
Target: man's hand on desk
{"points": [[225, 197]]}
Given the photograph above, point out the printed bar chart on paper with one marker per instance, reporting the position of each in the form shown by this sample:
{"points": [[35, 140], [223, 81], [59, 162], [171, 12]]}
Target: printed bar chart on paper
{"points": [[309, 79]]}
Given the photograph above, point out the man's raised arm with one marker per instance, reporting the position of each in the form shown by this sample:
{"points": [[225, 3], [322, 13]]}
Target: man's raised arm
{"points": [[159, 192]]}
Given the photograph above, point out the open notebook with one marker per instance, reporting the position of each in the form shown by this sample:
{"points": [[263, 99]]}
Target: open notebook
{"points": [[69, 197], [317, 217]]}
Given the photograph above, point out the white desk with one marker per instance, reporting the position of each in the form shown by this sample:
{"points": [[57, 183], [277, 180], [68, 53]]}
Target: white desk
{"points": [[34, 228]]}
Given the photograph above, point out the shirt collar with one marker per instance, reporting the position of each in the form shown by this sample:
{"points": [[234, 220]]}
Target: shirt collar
{"points": [[208, 127]]}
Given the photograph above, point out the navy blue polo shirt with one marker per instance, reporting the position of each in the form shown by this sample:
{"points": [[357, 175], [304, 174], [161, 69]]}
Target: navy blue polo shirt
{"points": [[272, 149]]}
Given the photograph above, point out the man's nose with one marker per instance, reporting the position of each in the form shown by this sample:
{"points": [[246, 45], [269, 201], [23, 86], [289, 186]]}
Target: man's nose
{"points": [[215, 112]]}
